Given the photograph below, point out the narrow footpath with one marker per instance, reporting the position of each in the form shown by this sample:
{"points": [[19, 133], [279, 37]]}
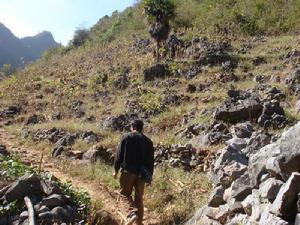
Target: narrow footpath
{"points": [[97, 190]]}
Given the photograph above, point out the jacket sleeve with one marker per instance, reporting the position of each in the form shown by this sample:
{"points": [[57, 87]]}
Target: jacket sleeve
{"points": [[151, 158], [120, 154]]}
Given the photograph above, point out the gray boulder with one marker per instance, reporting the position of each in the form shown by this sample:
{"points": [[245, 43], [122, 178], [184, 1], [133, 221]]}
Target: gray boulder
{"points": [[216, 197], [239, 189], [54, 200], [285, 204], [89, 136], [118, 123], [271, 219], [65, 214], [285, 155], [257, 211], [251, 201], [237, 143], [28, 185], [258, 140], [229, 166], [239, 219], [272, 115], [224, 213], [200, 217], [98, 152], [34, 119], [62, 143], [270, 188], [242, 130], [249, 108]]}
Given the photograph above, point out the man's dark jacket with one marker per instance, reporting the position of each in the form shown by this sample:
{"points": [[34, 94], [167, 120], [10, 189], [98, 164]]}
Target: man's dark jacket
{"points": [[134, 152]]}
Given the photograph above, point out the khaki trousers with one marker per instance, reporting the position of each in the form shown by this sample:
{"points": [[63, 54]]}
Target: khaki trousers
{"points": [[128, 181]]}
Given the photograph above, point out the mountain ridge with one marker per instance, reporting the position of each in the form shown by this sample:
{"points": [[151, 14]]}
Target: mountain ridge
{"points": [[19, 51]]}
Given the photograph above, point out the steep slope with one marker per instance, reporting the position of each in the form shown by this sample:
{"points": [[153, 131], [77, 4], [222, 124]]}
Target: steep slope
{"points": [[192, 103]]}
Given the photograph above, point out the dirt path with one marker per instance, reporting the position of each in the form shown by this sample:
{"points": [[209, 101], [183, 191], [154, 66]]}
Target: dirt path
{"points": [[97, 190]]}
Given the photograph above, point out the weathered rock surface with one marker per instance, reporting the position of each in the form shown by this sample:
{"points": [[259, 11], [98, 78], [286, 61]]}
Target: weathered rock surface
{"points": [[285, 155], [258, 140], [270, 188], [293, 81], [242, 107], [119, 123], [242, 130], [216, 197], [98, 152], [27, 185], [54, 200], [285, 203], [263, 190], [229, 166], [50, 205]]}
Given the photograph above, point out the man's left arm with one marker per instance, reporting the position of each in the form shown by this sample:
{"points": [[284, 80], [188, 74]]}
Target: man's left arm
{"points": [[119, 157]]}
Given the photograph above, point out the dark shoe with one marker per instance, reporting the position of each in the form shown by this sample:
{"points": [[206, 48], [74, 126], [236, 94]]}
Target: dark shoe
{"points": [[131, 219]]}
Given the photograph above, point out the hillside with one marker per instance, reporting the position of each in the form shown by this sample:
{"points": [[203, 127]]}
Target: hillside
{"points": [[215, 108], [17, 52]]}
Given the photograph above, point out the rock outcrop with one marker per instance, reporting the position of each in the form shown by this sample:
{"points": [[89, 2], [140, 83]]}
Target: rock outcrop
{"points": [[50, 204], [259, 185]]}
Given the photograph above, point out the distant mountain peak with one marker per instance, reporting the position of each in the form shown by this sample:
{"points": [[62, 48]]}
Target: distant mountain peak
{"points": [[16, 51]]}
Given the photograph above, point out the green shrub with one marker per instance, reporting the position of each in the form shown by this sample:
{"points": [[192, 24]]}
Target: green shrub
{"points": [[150, 103]]}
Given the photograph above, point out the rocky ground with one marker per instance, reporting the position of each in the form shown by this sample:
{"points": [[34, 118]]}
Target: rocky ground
{"points": [[52, 201], [255, 181], [226, 107]]}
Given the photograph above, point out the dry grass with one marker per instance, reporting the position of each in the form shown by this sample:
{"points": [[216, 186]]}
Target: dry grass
{"points": [[174, 194]]}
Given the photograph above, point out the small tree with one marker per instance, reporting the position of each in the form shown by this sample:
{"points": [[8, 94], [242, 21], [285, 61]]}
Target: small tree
{"points": [[80, 36], [159, 13]]}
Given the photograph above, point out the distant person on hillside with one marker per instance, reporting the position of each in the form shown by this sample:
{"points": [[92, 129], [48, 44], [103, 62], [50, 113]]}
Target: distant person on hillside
{"points": [[135, 157]]}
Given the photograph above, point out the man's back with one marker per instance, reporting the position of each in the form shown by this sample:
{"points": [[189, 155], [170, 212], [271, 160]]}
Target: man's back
{"points": [[134, 152]]}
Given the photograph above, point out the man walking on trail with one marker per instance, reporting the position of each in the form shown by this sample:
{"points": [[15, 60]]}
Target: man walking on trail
{"points": [[135, 157]]}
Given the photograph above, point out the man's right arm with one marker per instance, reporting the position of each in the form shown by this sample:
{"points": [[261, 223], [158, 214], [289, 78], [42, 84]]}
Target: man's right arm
{"points": [[151, 158]]}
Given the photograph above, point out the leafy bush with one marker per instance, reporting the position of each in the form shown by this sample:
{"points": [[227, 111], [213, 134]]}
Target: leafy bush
{"points": [[12, 168], [150, 103]]}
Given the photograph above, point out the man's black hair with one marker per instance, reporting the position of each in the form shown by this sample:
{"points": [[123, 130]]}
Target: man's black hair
{"points": [[137, 125]]}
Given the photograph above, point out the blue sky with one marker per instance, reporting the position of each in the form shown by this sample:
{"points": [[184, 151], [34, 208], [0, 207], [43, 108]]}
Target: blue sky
{"points": [[61, 17]]}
